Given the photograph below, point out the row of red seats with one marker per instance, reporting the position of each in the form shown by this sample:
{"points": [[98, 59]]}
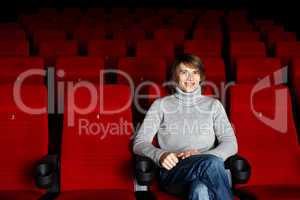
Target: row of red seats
{"points": [[110, 48], [87, 68], [82, 167]]}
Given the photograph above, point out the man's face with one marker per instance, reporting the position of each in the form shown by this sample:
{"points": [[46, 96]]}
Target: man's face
{"points": [[188, 78]]}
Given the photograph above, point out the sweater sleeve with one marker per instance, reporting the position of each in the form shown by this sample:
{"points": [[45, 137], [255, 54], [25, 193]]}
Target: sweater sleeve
{"points": [[142, 144], [227, 142]]}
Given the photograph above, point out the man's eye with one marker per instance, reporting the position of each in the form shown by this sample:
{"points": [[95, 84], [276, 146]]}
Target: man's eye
{"points": [[196, 72], [183, 72]]}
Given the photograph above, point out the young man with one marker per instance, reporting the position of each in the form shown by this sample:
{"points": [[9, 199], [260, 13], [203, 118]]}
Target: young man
{"points": [[187, 125]]}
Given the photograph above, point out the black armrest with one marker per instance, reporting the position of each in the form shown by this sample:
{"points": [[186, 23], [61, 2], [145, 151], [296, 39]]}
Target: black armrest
{"points": [[240, 169], [144, 170], [46, 173]]}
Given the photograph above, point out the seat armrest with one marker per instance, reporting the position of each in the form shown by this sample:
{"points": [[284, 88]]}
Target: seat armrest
{"points": [[240, 169], [46, 173], [144, 170]]}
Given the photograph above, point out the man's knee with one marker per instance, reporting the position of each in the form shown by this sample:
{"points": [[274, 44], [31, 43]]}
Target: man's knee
{"points": [[215, 163], [198, 190]]}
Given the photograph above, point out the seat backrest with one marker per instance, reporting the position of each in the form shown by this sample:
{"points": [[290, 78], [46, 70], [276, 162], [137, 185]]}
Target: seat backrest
{"points": [[12, 67], [251, 70], [155, 48], [214, 70], [139, 70], [287, 50], [266, 133], [52, 49], [24, 135], [96, 152], [12, 34], [78, 68], [244, 36], [48, 35], [247, 49], [107, 48], [203, 48], [173, 34], [14, 47]]}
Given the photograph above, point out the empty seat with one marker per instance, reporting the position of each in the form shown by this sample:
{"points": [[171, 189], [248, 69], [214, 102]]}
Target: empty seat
{"points": [[14, 47], [12, 67], [286, 50], [131, 35], [23, 140], [267, 110], [211, 35], [214, 70], [40, 36], [77, 68], [52, 49], [244, 36], [91, 165], [12, 34], [173, 34], [139, 70], [277, 36], [83, 34], [107, 48], [203, 48], [251, 70], [247, 49], [155, 48]]}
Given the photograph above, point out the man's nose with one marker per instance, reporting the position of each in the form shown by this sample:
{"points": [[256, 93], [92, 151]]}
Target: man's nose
{"points": [[190, 76]]}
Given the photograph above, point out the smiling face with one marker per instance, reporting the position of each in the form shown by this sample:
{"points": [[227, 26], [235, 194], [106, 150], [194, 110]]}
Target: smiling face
{"points": [[188, 77]]}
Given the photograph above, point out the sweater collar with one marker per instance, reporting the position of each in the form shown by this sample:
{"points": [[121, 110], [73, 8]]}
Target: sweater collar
{"points": [[188, 98]]}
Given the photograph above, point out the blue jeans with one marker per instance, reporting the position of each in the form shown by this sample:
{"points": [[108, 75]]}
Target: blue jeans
{"points": [[205, 176]]}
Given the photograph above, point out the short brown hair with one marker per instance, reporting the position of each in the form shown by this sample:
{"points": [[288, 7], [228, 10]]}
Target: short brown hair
{"points": [[188, 60]]}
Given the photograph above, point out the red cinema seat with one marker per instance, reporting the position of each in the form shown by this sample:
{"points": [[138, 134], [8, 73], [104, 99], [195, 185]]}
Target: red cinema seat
{"points": [[155, 48], [12, 34], [111, 50], [132, 35], [40, 36], [263, 120], [52, 49], [244, 36], [23, 140], [286, 50], [214, 70], [277, 36], [84, 33], [140, 70], [247, 49], [173, 34], [96, 163], [211, 35], [251, 70], [78, 68], [203, 48], [14, 47], [13, 67]]}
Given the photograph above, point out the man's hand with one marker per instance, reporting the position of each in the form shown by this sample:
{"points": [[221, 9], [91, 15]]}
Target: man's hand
{"points": [[188, 153], [168, 160]]}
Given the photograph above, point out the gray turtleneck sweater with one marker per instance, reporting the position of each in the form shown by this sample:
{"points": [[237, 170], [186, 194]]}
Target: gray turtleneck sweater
{"points": [[185, 121]]}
